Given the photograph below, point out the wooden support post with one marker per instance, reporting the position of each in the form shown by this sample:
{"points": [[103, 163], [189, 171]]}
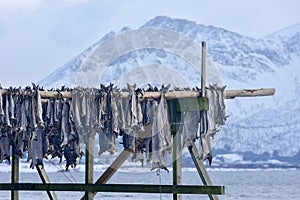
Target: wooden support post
{"points": [[89, 166], [201, 168], [174, 159], [45, 179], [203, 69], [119, 161], [14, 173], [192, 148], [177, 163]]}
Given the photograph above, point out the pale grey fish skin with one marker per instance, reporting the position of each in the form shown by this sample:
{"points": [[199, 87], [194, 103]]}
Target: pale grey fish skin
{"points": [[39, 109], [24, 122], [83, 104], [48, 110], [122, 109], [115, 112], [139, 110], [98, 102], [211, 95], [163, 120], [206, 147], [34, 126], [11, 105], [134, 120], [88, 110], [222, 113], [159, 144], [136, 110], [190, 124], [1, 105], [7, 118], [65, 129], [76, 108], [153, 108]]}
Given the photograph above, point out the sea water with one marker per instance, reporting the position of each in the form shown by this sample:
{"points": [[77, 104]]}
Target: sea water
{"points": [[275, 184]]}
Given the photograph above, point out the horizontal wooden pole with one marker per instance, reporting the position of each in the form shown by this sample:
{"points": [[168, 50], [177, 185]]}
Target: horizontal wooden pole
{"points": [[228, 94], [127, 188]]}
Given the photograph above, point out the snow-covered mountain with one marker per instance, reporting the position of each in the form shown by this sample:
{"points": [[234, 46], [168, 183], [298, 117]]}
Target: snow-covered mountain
{"points": [[268, 126]]}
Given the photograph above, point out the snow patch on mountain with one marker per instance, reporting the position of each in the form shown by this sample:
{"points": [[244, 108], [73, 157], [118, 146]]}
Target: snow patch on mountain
{"points": [[258, 124]]}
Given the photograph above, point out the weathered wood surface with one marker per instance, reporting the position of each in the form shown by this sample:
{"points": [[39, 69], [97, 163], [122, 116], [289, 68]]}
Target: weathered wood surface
{"points": [[201, 168], [228, 94], [203, 69], [14, 173], [89, 166], [130, 188], [45, 179]]}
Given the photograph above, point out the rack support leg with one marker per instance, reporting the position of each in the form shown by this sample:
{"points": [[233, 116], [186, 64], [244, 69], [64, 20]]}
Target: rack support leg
{"points": [[45, 179], [201, 168]]}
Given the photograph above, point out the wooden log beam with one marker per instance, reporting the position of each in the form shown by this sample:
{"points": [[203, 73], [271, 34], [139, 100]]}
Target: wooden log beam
{"points": [[124, 188], [231, 94], [201, 168], [228, 94], [45, 179]]}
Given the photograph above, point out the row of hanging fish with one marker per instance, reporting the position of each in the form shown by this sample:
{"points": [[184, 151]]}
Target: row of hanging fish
{"points": [[58, 127]]}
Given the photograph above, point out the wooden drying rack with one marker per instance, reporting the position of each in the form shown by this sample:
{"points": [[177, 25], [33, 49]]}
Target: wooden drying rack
{"points": [[91, 188]]}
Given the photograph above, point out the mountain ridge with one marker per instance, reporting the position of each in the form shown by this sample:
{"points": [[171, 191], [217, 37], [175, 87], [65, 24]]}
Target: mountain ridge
{"points": [[243, 62]]}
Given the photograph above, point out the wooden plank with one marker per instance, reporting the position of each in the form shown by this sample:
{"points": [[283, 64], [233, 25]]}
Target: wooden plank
{"points": [[45, 179], [201, 168], [89, 166], [124, 188], [228, 94], [14, 173]]}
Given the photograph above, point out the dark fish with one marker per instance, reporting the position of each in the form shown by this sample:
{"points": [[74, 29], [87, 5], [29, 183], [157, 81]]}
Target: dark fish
{"points": [[36, 149]]}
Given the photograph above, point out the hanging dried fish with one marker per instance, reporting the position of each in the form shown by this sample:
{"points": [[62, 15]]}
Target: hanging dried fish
{"points": [[1, 105], [161, 134], [107, 138]]}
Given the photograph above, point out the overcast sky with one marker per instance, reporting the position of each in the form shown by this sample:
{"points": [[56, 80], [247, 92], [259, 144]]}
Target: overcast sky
{"points": [[39, 36]]}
